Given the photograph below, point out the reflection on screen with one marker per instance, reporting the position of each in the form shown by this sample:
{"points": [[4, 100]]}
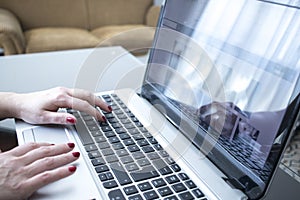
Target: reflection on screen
{"points": [[232, 67]]}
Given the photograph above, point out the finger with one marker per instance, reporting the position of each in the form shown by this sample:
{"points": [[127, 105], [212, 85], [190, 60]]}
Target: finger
{"points": [[70, 102], [50, 163], [40, 180], [46, 151], [25, 148], [84, 106], [90, 98], [50, 117]]}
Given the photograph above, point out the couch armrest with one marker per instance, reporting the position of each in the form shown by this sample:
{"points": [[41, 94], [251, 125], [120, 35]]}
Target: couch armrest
{"points": [[152, 16], [11, 35]]}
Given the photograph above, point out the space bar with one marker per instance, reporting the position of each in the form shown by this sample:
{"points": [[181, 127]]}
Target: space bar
{"points": [[83, 132]]}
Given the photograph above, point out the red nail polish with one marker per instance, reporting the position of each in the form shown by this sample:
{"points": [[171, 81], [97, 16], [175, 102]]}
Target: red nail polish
{"points": [[71, 145], [76, 154], [71, 120], [72, 168], [103, 118], [110, 108]]}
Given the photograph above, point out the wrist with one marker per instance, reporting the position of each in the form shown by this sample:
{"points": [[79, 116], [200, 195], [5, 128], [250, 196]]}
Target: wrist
{"points": [[9, 105]]}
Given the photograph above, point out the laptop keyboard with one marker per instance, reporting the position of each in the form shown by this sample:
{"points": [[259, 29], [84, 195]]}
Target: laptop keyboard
{"points": [[129, 161]]}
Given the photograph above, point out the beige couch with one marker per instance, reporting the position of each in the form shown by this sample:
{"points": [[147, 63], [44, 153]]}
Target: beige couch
{"points": [[28, 26]]}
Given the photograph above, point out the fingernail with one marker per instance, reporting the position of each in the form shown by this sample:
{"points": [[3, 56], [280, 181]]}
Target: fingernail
{"points": [[109, 108], [103, 118], [71, 120], [76, 154], [72, 168], [71, 145]]}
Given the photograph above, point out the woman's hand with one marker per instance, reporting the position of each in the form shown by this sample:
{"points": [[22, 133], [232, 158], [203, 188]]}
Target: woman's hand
{"points": [[29, 167], [41, 107]]}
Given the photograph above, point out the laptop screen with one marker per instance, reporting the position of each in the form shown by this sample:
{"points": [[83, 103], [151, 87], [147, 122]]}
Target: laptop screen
{"points": [[226, 72]]}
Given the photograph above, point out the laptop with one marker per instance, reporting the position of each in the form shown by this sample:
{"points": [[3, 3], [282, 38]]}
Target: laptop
{"points": [[217, 108]]}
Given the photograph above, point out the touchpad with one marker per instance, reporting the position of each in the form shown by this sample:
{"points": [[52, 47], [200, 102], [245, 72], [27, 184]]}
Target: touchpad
{"points": [[50, 134]]}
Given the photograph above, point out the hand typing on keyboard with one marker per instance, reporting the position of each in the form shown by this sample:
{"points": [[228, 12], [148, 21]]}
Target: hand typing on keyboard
{"points": [[41, 107]]}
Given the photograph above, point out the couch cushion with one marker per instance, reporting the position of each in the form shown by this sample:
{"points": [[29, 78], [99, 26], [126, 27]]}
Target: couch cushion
{"points": [[43, 13], [116, 12], [135, 38], [51, 39]]}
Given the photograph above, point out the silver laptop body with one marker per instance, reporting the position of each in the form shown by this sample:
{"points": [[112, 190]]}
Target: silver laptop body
{"points": [[218, 105]]}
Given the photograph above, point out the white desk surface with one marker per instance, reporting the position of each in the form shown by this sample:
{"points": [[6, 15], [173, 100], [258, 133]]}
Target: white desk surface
{"points": [[96, 69]]}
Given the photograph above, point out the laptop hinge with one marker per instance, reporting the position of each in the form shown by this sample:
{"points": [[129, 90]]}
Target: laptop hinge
{"points": [[234, 183], [244, 183]]}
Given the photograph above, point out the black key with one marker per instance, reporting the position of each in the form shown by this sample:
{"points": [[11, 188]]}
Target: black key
{"points": [[143, 162], [142, 142], [169, 160], [163, 153], [145, 173], [102, 177], [158, 182], [179, 187], [138, 155], [111, 158], [83, 133], [138, 136], [144, 186], [162, 167], [165, 191], [133, 148], [126, 159], [190, 184], [93, 128], [116, 195], [131, 167], [150, 195], [101, 168], [118, 146], [125, 121], [197, 192], [103, 145], [128, 142], [176, 168], [110, 134], [122, 152], [90, 147], [100, 139], [186, 196], [120, 130], [120, 173], [113, 140], [172, 179], [147, 149], [94, 154], [157, 147], [110, 184], [183, 176], [107, 152], [124, 136], [106, 128], [152, 140], [96, 133], [134, 131], [98, 161], [129, 126], [171, 198], [135, 197], [130, 190], [153, 156]]}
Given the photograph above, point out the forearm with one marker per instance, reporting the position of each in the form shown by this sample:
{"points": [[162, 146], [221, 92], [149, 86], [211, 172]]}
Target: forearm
{"points": [[8, 105]]}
